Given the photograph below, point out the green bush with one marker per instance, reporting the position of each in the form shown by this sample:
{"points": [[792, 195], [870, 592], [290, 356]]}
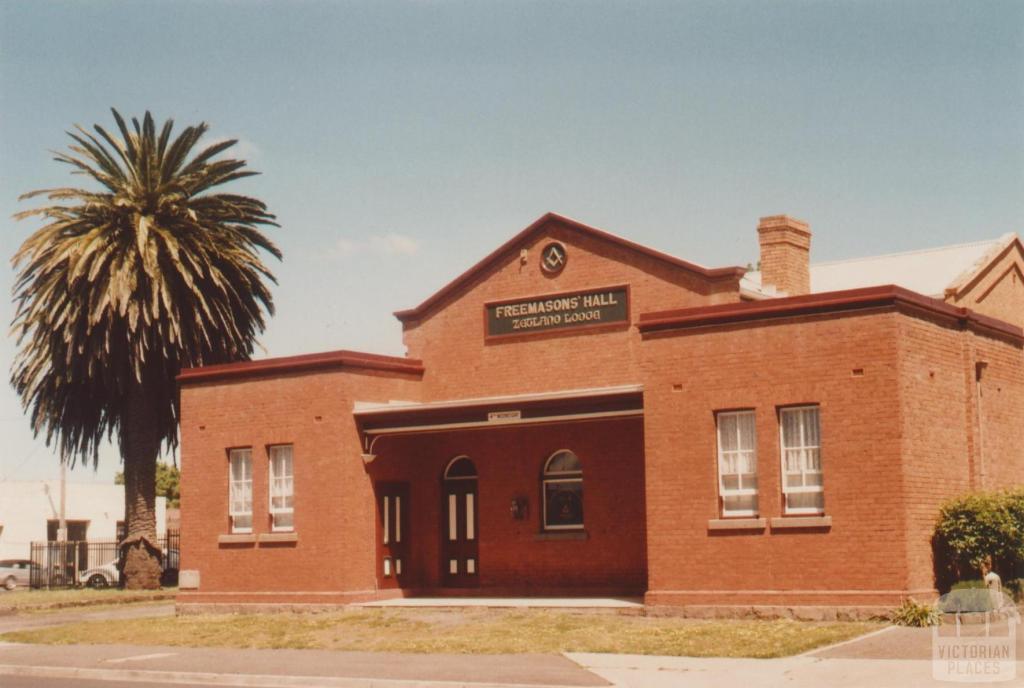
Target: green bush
{"points": [[917, 614], [976, 531]]}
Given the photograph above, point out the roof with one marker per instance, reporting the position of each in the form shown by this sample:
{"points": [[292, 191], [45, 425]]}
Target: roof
{"points": [[306, 362], [928, 271], [500, 411], [711, 274], [363, 408], [889, 295]]}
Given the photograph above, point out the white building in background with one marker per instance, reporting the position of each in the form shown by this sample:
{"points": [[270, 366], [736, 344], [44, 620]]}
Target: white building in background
{"points": [[30, 512]]}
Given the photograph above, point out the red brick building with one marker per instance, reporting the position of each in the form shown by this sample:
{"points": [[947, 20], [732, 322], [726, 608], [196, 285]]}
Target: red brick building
{"points": [[581, 415]]}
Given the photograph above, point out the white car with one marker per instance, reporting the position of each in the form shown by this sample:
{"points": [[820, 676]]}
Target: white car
{"points": [[107, 575], [15, 572], [101, 576]]}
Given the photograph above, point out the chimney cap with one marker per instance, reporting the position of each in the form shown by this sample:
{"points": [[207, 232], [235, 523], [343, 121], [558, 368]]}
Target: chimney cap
{"points": [[783, 222]]}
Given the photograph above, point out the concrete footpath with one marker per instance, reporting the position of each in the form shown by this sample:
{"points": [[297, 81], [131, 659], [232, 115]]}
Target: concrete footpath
{"points": [[892, 657], [631, 671], [307, 668]]}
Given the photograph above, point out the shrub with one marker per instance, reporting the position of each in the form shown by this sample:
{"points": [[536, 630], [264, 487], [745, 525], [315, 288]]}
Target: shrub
{"points": [[917, 614], [976, 531]]}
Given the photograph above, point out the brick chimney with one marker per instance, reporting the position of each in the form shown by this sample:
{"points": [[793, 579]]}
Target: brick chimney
{"points": [[785, 254]]}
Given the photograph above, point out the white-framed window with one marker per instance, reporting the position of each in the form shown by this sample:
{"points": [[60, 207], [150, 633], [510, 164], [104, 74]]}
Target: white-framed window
{"points": [[240, 490], [802, 485], [737, 462], [282, 488], [563, 492]]}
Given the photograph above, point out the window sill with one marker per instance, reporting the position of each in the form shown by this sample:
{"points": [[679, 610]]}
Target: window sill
{"points": [[280, 536], [236, 539], [786, 522], [562, 535], [717, 524]]}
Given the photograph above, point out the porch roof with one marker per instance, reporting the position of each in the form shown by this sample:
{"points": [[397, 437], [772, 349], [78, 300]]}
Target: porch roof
{"points": [[499, 411]]}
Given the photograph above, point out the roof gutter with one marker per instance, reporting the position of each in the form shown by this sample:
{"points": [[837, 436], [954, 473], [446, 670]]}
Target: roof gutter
{"points": [[827, 302], [304, 363]]}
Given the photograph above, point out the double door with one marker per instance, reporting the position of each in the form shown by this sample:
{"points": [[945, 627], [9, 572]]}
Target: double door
{"points": [[460, 560], [459, 550]]}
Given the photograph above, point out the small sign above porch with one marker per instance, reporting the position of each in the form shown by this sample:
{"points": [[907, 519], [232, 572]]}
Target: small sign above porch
{"points": [[580, 309], [504, 416]]}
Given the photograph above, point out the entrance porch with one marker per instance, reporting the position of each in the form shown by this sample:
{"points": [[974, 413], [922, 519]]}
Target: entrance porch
{"points": [[539, 496]]}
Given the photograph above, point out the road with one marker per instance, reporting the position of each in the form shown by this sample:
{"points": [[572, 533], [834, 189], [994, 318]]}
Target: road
{"points": [[36, 682], [284, 667]]}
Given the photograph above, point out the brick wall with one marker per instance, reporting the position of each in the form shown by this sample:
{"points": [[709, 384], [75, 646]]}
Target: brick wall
{"points": [[1002, 405], [939, 432], [847, 365], [899, 435], [955, 441], [334, 502]]}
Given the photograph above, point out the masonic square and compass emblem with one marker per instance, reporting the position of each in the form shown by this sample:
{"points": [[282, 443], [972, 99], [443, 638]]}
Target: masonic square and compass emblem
{"points": [[553, 258]]}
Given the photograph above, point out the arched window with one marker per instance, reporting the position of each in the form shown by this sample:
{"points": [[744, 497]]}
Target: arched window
{"points": [[460, 468], [563, 492]]}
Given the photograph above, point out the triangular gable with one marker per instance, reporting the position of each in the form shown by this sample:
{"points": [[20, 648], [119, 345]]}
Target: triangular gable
{"points": [[513, 245], [971, 277], [1014, 270]]}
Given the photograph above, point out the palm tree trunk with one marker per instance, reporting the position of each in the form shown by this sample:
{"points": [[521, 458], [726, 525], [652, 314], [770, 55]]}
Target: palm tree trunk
{"points": [[140, 448]]}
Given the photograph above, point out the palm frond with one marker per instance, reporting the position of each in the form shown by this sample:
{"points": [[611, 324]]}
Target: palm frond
{"points": [[124, 286]]}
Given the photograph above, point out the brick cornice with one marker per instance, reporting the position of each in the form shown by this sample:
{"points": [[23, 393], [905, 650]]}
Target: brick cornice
{"points": [[306, 362], [890, 296]]}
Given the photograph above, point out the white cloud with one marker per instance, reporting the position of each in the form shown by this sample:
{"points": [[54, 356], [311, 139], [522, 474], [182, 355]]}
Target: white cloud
{"points": [[390, 244], [394, 245], [345, 248]]}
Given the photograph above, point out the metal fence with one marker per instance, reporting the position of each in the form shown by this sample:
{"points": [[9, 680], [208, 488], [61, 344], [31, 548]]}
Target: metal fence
{"points": [[91, 562]]}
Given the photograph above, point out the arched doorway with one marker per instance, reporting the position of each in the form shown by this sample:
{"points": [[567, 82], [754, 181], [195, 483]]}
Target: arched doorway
{"points": [[460, 560]]}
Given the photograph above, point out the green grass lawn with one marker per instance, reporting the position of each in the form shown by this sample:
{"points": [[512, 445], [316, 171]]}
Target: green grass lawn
{"points": [[462, 631], [36, 600]]}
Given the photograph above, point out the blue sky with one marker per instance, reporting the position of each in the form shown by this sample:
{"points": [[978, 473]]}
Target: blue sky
{"points": [[400, 142]]}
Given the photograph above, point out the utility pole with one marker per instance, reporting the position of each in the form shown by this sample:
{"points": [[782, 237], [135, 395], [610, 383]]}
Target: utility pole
{"points": [[62, 525]]}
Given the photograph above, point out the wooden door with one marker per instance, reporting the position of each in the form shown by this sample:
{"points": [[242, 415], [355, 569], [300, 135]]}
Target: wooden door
{"points": [[392, 534], [460, 561]]}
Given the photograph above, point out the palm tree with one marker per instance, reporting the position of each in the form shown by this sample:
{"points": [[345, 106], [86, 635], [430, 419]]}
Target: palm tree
{"points": [[123, 287]]}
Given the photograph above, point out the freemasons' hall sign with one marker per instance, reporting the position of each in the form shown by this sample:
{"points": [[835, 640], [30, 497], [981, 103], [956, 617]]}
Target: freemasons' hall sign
{"points": [[558, 311]]}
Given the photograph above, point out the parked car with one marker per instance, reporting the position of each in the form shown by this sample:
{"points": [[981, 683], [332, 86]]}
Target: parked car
{"points": [[101, 576], [15, 572], [107, 575]]}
